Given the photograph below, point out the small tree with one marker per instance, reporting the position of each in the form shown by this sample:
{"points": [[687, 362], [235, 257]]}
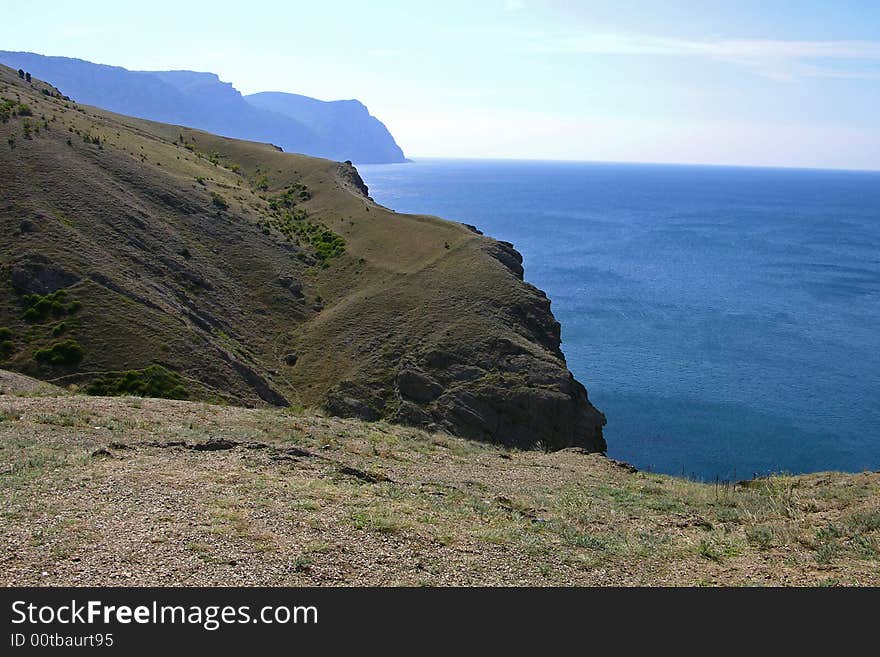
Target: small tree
{"points": [[21, 74], [27, 76]]}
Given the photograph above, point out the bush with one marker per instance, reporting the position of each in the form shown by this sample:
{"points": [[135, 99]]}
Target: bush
{"points": [[23, 110], [7, 346], [289, 198], [219, 201], [39, 308], [7, 109], [761, 535], [153, 381], [325, 242], [60, 354]]}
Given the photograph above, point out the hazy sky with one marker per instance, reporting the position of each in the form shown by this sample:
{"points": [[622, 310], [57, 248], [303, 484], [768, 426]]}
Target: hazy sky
{"points": [[738, 82]]}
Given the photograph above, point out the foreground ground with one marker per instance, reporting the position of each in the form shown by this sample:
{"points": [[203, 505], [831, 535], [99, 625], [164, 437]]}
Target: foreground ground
{"points": [[128, 491]]}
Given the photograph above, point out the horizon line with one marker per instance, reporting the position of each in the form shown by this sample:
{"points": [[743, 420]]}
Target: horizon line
{"points": [[412, 159]]}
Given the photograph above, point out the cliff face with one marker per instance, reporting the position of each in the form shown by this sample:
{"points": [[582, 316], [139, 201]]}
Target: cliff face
{"points": [[491, 369], [341, 130], [254, 276], [345, 126]]}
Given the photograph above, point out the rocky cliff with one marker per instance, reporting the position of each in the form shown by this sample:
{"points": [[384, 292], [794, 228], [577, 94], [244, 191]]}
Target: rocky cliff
{"points": [[346, 127], [144, 258]]}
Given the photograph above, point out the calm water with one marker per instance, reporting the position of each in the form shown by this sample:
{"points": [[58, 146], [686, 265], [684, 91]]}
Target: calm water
{"points": [[726, 320]]}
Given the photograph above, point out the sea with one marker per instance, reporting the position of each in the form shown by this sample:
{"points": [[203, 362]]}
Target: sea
{"points": [[725, 319]]}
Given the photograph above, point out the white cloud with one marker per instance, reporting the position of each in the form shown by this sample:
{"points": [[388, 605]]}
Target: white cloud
{"points": [[779, 59]]}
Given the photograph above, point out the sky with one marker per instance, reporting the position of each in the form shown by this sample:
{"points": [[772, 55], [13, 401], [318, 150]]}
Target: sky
{"points": [[766, 83]]}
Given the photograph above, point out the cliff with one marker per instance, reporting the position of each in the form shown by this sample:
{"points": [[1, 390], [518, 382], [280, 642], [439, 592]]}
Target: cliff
{"points": [[346, 127], [341, 130], [139, 257]]}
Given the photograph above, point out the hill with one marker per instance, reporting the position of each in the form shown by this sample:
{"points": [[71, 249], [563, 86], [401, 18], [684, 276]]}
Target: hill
{"points": [[146, 258], [129, 491], [340, 130]]}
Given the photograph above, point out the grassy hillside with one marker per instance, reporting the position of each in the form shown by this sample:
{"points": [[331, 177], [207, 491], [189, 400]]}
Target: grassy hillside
{"points": [[126, 491], [155, 259]]}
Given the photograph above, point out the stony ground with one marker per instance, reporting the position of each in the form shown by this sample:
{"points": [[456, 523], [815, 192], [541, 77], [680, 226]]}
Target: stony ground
{"points": [[127, 491]]}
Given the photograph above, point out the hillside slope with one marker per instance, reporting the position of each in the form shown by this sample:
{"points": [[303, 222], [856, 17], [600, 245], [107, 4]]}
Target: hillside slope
{"points": [[202, 100], [156, 259], [127, 491]]}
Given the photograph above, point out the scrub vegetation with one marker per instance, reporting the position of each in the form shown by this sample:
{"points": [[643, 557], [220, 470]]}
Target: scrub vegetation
{"points": [[125, 490]]}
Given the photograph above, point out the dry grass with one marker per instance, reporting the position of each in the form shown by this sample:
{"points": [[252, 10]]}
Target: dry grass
{"points": [[304, 499]]}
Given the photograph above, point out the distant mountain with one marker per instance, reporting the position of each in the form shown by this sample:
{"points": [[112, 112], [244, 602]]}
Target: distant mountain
{"points": [[345, 126], [338, 130]]}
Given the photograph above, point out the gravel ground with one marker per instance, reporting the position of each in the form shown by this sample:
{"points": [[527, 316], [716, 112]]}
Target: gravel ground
{"points": [[126, 491]]}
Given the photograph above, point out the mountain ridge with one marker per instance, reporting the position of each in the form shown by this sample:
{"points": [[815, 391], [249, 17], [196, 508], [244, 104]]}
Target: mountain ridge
{"points": [[338, 122], [202, 100]]}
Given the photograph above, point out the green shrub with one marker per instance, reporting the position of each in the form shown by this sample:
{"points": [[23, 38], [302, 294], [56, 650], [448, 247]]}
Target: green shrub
{"points": [[324, 241], [219, 201], [761, 536], [38, 307], [23, 110], [290, 197], [7, 348], [153, 381], [60, 354], [293, 222], [7, 110], [6, 334]]}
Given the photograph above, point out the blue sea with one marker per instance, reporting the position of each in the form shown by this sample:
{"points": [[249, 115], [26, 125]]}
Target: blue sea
{"points": [[726, 320]]}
